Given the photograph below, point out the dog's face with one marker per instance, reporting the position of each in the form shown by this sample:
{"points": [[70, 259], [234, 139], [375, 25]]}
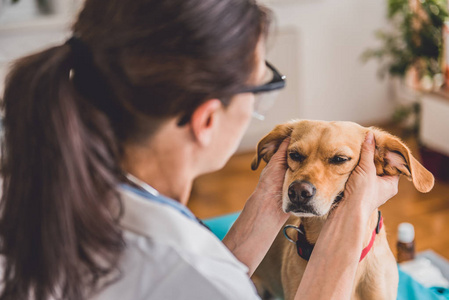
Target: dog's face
{"points": [[322, 155]]}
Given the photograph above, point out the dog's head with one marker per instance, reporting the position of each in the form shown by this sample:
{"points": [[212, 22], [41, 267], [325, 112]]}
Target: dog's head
{"points": [[322, 155]]}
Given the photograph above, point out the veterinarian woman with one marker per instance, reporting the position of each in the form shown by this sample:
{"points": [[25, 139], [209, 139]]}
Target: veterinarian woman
{"points": [[104, 135]]}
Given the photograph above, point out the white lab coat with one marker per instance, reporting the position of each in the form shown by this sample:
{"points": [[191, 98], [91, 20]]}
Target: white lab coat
{"points": [[169, 256]]}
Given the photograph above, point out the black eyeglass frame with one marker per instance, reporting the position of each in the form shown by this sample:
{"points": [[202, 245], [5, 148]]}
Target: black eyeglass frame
{"points": [[277, 83]]}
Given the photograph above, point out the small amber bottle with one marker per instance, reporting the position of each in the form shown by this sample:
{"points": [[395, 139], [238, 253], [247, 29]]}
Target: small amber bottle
{"points": [[406, 242]]}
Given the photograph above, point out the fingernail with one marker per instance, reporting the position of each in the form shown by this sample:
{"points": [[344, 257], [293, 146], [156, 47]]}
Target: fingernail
{"points": [[369, 137]]}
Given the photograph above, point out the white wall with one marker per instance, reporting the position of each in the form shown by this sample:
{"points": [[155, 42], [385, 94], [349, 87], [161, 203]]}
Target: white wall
{"points": [[24, 31], [329, 81], [317, 45]]}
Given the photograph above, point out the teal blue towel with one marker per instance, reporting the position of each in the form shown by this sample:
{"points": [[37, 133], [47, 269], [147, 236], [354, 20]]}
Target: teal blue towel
{"points": [[408, 288], [221, 225]]}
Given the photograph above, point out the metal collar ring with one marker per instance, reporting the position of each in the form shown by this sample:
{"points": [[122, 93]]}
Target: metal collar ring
{"points": [[292, 227]]}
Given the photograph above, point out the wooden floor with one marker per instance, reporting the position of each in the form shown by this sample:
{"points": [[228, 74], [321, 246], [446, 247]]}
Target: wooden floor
{"points": [[226, 191]]}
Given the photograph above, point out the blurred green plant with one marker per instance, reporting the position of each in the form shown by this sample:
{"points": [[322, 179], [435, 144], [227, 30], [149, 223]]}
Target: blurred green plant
{"points": [[416, 38], [414, 42]]}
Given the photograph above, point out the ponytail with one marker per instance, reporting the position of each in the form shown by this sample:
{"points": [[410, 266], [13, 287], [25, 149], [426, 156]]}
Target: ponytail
{"points": [[59, 208]]}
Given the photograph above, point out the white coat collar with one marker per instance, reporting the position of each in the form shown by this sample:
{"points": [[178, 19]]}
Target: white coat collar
{"points": [[167, 225]]}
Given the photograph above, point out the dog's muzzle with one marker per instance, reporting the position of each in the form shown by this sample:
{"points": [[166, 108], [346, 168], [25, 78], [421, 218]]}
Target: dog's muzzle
{"points": [[301, 192]]}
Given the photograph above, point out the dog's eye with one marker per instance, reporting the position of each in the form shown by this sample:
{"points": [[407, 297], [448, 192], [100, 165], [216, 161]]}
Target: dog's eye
{"points": [[339, 159], [296, 156]]}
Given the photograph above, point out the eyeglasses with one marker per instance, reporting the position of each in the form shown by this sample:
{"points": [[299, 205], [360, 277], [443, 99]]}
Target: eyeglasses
{"points": [[266, 93]]}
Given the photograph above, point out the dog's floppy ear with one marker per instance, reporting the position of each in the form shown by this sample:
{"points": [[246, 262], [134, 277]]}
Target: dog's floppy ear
{"points": [[269, 144], [393, 157]]}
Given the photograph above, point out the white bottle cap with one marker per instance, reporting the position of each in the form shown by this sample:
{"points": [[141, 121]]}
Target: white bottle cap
{"points": [[406, 233]]}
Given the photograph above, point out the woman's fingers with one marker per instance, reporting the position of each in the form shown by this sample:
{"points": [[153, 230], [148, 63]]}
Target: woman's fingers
{"points": [[272, 176], [363, 176], [364, 186], [281, 153], [278, 162], [366, 162], [389, 185]]}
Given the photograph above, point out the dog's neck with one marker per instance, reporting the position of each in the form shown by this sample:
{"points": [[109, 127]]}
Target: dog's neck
{"points": [[313, 225]]}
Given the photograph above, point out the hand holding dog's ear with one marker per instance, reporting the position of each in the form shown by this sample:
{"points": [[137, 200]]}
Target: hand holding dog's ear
{"points": [[270, 143], [364, 188], [393, 157], [272, 179]]}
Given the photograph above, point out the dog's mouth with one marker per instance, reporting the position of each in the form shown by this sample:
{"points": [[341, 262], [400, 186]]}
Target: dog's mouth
{"points": [[338, 198], [302, 210], [305, 209]]}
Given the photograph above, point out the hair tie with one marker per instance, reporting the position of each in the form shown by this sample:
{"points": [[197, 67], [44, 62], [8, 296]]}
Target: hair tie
{"points": [[88, 80], [79, 49]]}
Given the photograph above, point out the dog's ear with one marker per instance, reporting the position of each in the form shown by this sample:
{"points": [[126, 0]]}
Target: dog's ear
{"points": [[393, 157], [269, 144]]}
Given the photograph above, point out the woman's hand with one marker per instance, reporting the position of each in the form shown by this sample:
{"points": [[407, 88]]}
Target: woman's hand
{"points": [[364, 188], [262, 217], [269, 188]]}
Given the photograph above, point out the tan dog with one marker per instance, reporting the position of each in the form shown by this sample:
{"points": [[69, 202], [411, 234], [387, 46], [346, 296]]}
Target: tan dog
{"points": [[321, 156]]}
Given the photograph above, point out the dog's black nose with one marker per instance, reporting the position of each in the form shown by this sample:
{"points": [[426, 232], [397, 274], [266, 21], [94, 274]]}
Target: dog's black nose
{"points": [[301, 192]]}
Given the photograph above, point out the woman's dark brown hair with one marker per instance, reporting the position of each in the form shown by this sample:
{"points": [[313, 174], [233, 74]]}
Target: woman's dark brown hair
{"points": [[71, 108]]}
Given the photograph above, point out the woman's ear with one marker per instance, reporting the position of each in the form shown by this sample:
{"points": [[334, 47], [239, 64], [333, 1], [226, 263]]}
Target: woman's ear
{"points": [[393, 157], [203, 120], [269, 144]]}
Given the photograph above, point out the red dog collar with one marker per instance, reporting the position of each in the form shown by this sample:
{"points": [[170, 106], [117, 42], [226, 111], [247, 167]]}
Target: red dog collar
{"points": [[304, 248]]}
